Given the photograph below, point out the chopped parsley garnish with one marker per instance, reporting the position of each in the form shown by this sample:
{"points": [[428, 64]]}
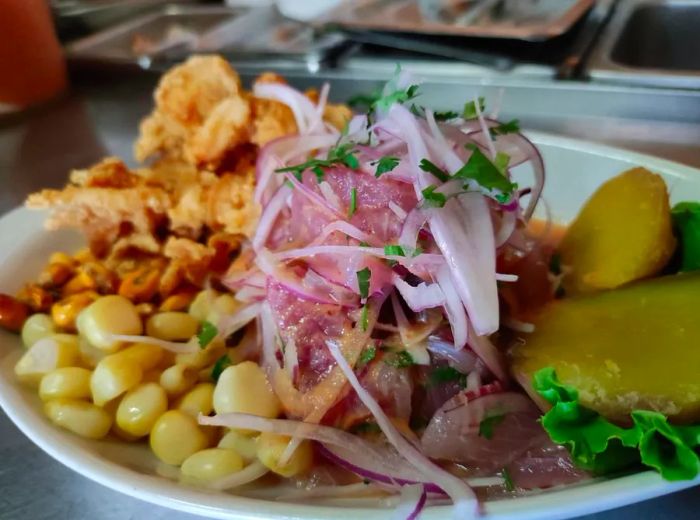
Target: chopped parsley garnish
{"points": [[401, 359], [344, 154], [320, 174], [353, 202], [364, 320], [501, 162], [445, 116], [469, 111], [511, 127], [432, 168], [341, 154], [507, 480], [207, 332], [446, 374], [385, 164], [368, 354], [487, 425], [433, 199], [220, 365], [363, 277], [394, 250], [480, 169], [364, 100], [397, 96]]}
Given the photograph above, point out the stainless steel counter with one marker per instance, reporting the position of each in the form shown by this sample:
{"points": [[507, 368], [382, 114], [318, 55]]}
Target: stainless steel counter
{"points": [[38, 149]]}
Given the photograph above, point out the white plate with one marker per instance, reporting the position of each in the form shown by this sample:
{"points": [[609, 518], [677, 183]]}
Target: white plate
{"points": [[574, 168]]}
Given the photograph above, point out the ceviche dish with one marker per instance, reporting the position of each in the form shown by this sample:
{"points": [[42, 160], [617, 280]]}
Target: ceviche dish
{"points": [[293, 299]]}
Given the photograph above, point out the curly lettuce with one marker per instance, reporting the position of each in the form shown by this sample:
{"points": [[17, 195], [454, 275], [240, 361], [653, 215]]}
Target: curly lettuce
{"points": [[602, 447]]}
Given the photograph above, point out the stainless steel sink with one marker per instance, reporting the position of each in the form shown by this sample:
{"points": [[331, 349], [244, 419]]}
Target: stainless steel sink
{"points": [[652, 42]]}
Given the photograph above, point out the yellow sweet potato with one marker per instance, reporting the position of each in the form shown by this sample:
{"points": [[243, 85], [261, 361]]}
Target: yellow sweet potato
{"points": [[623, 233], [636, 347]]}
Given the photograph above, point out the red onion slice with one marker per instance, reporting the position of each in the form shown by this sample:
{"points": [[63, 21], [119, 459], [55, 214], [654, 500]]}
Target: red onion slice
{"points": [[421, 297]]}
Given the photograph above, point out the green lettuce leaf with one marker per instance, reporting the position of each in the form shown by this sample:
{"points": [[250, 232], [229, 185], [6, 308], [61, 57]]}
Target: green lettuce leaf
{"points": [[600, 446]]}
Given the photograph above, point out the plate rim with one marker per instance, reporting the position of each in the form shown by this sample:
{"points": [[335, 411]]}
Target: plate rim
{"points": [[569, 501]]}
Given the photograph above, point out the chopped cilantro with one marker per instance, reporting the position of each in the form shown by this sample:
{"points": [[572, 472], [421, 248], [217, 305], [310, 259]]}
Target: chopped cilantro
{"points": [[364, 320], [432, 168], [445, 116], [385, 164], [511, 127], [401, 359], [507, 480], [344, 154], [397, 96], [341, 154], [485, 173], [368, 354], [394, 250], [501, 162], [363, 244], [207, 332], [220, 365], [487, 425], [353, 202], [446, 374], [363, 277], [366, 427], [469, 111], [318, 171], [364, 100], [433, 199]]}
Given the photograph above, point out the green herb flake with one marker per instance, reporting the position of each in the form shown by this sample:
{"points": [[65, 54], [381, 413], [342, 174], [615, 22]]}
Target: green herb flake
{"points": [[401, 359], [501, 162], [507, 480], [318, 171], [433, 199], [368, 354], [363, 277], [397, 96], [394, 251], [353, 202], [341, 154], [469, 111], [207, 333], [480, 169], [511, 127], [385, 164], [364, 100], [363, 244], [602, 447], [220, 365], [364, 319], [365, 427], [686, 223], [446, 374], [555, 264], [445, 116], [487, 425], [433, 169]]}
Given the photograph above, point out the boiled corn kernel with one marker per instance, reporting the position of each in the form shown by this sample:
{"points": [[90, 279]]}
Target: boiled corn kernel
{"points": [[80, 417], [36, 327], [211, 464], [244, 388], [140, 408], [68, 382], [175, 436], [197, 401], [65, 312], [202, 357], [46, 355], [177, 379], [172, 326], [271, 446], [202, 304], [145, 355], [242, 444], [113, 376], [106, 316], [224, 305], [90, 355]]}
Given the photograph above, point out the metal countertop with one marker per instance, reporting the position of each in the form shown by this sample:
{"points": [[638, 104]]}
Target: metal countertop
{"points": [[38, 149]]}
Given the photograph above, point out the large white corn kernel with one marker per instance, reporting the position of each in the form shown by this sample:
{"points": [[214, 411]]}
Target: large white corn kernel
{"points": [[144, 355], [202, 304], [172, 326], [46, 355], [36, 327], [113, 376], [106, 316], [211, 464], [175, 436], [271, 446], [140, 408], [202, 357], [242, 444], [177, 379], [81, 417], [224, 305], [89, 355], [68, 382], [199, 400], [244, 388]]}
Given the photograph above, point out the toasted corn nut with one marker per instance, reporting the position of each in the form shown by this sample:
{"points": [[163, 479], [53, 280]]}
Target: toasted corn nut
{"points": [[65, 312], [36, 297], [84, 255], [66, 382], [62, 258], [225, 247], [13, 313], [211, 464], [171, 279], [46, 355], [141, 285], [140, 408], [271, 446], [178, 301], [81, 282], [175, 436], [80, 417], [55, 275], [106, 282], [36, 327], [145, 310]]}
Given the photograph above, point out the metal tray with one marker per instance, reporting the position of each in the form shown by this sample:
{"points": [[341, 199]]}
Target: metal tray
{"points": [[239, 33], [532, 20]]}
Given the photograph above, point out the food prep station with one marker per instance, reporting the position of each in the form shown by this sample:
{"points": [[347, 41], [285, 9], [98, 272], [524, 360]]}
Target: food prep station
{"points": [[621, 72]]}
